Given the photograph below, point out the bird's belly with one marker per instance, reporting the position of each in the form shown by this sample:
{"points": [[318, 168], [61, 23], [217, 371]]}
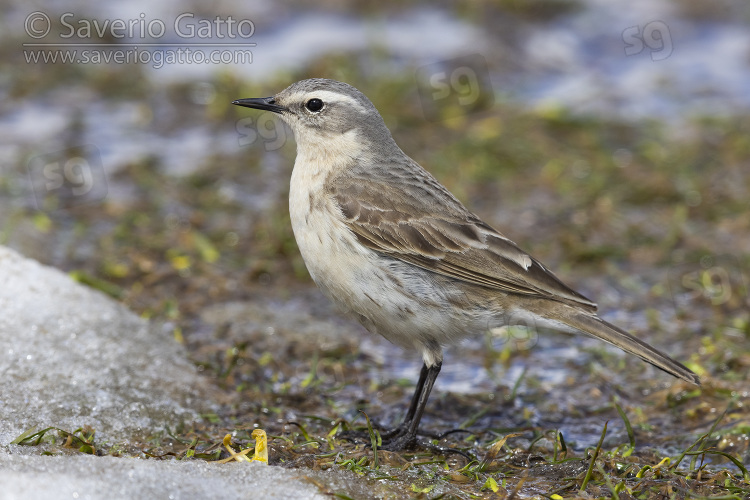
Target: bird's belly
{"points": [[407, 305], [342, 268]]}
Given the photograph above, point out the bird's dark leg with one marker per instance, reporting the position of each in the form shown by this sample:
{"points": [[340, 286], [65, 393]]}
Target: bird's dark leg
{"points": [[401, 429], [405, 435]]}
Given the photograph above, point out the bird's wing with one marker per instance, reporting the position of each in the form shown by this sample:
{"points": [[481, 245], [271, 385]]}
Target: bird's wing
{"points": [[408, 215]]}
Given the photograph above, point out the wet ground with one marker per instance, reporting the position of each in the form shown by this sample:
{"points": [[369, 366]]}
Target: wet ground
{"points": [[647, 214]]}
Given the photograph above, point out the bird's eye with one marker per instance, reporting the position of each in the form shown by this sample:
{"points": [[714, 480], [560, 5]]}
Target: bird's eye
{"points": [[314, 105]]}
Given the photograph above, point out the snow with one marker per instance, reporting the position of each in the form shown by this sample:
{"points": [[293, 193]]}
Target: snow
{"points": [[70, 356]]}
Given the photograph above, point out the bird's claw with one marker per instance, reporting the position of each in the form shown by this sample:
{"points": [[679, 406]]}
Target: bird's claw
{"points": [[398, 439]]}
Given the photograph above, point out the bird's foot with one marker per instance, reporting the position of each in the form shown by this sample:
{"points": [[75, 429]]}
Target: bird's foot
{"points": [[452, 431], [354, 436], [395, 433], [400, 439], [363, 436], [408, 441]]}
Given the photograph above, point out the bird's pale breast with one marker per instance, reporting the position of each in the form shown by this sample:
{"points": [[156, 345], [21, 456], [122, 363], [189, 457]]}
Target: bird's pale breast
{"points": [[407, 305]]}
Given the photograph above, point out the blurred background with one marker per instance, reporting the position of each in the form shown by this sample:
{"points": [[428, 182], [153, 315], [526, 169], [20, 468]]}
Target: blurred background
{"points": [[609, 139]]}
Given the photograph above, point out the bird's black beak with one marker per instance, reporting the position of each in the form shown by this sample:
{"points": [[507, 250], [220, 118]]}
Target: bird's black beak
{"points": [[266, 103]]}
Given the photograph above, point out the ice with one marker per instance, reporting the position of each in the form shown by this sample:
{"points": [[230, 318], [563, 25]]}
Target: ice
{"points": [[89, 478], [70, 356]]}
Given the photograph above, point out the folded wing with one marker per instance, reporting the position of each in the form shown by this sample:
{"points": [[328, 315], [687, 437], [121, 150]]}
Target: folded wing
{"points": [[415, 219]]}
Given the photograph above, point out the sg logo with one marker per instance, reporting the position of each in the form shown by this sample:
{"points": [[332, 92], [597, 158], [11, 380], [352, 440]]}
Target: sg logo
{"points": [[74, 172], [655, 35], [714, 280], [268, 129], [62, 179], [455, 87]]}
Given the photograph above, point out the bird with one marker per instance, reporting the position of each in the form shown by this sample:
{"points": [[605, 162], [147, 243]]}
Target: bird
{"points": [[394, 249]]}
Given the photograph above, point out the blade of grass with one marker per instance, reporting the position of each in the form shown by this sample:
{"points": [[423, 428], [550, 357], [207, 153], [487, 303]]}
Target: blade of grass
{"points": [[563, 446], [494, 450], [514, 391], [590, 472], [724, 454], [711, 431], [687, 450], [373, 440], [701, 440], [522, 479], [27, 437], [473, 418], [301, 429], [628, 427], [612, 489], [340, 422]]}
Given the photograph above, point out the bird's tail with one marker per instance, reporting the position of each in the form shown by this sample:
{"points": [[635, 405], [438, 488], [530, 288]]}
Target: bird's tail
{"points": [[597, 327]]}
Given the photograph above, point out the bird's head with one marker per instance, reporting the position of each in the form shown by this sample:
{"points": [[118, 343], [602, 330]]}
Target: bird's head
{"points": [[322, 112]]}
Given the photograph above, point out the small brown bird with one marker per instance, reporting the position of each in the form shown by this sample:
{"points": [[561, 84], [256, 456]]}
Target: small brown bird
{"points": [[395, 249]]}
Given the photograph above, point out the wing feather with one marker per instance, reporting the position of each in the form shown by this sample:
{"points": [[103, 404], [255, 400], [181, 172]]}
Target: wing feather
{"points": [[415, 219]]}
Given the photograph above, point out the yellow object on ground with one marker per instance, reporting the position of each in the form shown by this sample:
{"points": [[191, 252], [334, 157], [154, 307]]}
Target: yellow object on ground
{"points": [[261, 449]]}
